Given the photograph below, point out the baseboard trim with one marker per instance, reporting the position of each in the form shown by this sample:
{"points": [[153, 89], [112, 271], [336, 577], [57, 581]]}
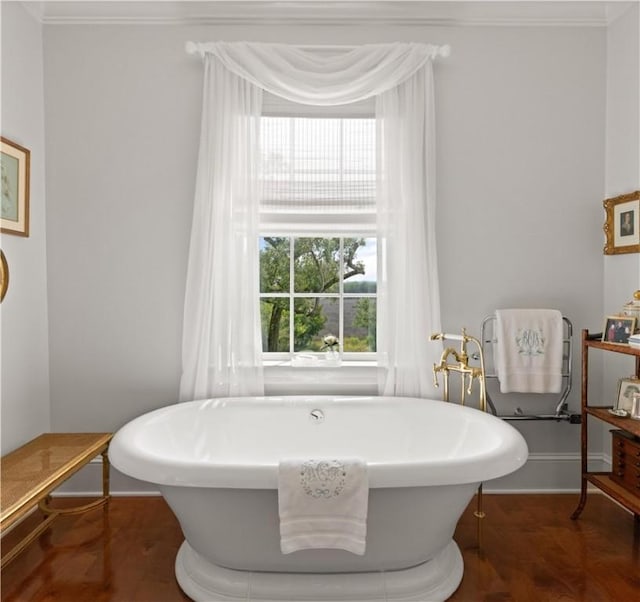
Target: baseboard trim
{"points": [[94, 493], [553, 473], [513, 491]]}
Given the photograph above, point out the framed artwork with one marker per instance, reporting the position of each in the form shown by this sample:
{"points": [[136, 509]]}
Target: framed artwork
{"points": [[626, 390], [14, 181], [622, 224], [618, 329]]}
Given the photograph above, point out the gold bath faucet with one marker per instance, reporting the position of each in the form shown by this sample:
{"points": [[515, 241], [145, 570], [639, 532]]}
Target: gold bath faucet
{"points": [[461, 365], [467, 372]]}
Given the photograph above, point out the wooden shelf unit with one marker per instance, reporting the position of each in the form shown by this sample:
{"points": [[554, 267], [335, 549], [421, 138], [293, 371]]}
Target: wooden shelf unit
{"points": [[624, 496]]}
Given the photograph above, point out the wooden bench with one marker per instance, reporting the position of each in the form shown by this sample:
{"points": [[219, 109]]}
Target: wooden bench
{"points": [[30, 473]]}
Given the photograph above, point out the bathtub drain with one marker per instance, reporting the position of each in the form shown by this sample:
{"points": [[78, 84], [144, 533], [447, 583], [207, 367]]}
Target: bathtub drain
{"points": [[316, 415]]}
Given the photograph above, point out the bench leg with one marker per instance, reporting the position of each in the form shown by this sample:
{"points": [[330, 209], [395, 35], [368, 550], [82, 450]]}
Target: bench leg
{"points": [[105, 474], [31, 537], [45, 507]]}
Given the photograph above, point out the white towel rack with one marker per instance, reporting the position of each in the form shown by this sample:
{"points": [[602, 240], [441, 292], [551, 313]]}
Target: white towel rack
{"points": [[488, 339]]}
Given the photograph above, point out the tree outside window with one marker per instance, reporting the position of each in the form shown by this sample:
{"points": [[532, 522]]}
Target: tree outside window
{"points": [[311, 287]]}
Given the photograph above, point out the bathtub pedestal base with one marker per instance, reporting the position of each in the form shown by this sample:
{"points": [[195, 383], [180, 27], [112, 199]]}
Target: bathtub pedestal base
{"points": [[432, 581]]}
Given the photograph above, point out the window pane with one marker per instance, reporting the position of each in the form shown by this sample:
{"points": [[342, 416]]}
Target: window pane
{"points": [[360, 265], [315, 318], [274, 314], [317, 265], [274, 264], [359, 324]]}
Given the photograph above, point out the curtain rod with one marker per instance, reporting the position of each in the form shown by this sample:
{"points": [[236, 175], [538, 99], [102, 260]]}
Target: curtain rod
{"points": [[192, 47], [443, 51]]}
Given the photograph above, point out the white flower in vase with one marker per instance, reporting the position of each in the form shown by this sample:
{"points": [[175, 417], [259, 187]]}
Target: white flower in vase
{"points": [[331, 346]]}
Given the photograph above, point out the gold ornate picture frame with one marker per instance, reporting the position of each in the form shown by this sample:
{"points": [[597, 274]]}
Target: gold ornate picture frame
{"points": [[622, 224], [4, 276], [14, 183]]}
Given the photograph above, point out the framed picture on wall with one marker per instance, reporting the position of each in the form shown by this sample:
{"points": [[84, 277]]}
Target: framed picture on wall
{"points": [[14, 182], [618, 329], [622, 224], [626, 390]]}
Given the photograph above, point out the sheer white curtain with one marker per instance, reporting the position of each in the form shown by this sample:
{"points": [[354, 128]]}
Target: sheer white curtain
{"points": [[221, 343], [408, 291], [221, 352]]}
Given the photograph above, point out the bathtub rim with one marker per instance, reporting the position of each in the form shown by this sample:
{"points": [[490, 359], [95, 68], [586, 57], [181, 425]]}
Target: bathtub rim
{"points": [[149, 467]]}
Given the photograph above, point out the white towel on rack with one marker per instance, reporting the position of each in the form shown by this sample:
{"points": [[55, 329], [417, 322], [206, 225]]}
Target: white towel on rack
{"points": [[528, 350], [323, 503]]}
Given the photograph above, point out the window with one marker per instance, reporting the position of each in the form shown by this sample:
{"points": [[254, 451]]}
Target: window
{"points": [[318, 248], [312, 287]]}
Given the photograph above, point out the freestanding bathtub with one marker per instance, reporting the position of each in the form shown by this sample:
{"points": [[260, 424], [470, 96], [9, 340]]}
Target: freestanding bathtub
{"points": [[216, 464]]}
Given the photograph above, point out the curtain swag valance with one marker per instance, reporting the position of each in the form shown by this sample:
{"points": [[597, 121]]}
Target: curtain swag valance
{"points": [[323, 75]]}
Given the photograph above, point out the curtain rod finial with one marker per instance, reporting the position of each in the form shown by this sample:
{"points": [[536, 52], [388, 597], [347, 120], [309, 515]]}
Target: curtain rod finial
{"points": [[191, 47], [445, 51]]}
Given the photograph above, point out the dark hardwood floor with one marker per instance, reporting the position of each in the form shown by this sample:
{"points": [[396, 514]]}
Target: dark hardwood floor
{"points": [[532, 552]]}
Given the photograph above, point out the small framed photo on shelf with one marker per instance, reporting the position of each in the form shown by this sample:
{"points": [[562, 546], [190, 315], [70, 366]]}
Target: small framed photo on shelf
{"points": [[618, 329], [622, 224], [627, 388]]}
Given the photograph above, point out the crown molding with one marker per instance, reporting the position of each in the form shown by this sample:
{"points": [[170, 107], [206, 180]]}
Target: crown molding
{"points": [[615, 10], [452, 13], [35, 9]]}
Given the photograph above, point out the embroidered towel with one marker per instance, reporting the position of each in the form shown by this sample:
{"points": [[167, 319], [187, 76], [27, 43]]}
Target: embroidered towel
{"points": [[528, 350], [323, 503]]}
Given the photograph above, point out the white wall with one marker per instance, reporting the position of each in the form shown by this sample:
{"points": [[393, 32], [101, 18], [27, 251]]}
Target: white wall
{"points": [[623, 112], [520, 123], [621, 272], [25, 348]]}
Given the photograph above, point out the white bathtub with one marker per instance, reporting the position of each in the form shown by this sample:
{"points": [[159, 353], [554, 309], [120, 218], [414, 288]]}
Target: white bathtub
{"points": [[216, 464]]}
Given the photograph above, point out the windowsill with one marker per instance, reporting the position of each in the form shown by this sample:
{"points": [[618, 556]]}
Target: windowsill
{"points": [[351, 377], [321, 364]]}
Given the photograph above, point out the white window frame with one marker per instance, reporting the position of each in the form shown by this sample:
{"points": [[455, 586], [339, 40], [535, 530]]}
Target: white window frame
{"points": [[325, 225], [280, 357]]}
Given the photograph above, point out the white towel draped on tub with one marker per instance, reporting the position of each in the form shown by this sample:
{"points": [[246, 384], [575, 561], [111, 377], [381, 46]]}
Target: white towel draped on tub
{"points": [[323, 503], [528, 350]]}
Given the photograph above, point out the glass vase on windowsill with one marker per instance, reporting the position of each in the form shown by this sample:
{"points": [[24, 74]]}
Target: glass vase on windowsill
{"points": [[331, 348]]}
